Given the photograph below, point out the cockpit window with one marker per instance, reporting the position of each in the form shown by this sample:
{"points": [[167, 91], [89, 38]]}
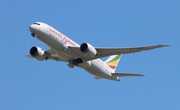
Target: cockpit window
{"points": [[37, 23]]}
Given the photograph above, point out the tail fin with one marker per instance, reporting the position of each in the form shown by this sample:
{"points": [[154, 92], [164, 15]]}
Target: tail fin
{"points": [[113, 61]]}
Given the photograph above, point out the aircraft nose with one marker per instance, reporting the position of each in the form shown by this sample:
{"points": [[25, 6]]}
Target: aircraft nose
{"points": [[31, 27]]}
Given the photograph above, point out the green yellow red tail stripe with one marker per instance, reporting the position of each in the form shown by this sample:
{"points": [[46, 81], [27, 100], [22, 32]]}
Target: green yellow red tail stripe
{"points": [[113, 61]]}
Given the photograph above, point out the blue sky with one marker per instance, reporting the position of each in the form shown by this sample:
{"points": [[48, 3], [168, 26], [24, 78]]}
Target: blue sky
{"points": [[27, 84]]}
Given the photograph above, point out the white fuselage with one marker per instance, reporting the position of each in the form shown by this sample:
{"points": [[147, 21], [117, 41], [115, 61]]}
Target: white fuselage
{"points": [[60, 43]]}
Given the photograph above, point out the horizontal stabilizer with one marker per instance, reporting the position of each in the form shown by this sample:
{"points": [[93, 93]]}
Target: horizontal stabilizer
{"points": [[126, 74]]}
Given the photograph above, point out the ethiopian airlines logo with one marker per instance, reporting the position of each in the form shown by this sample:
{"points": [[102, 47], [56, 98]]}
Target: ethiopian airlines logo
{"points": [[114, 62]]}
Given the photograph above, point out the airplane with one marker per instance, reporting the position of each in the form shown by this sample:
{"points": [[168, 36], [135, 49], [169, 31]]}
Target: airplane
{"points": [[84, 56]]}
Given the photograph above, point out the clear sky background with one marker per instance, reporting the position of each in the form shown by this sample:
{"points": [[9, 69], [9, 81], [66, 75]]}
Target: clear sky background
{"points": [[28, 84]]}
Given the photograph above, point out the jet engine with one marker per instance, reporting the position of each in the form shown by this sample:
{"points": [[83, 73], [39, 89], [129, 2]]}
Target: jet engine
{"points": [[88, 49], [38, 53]]}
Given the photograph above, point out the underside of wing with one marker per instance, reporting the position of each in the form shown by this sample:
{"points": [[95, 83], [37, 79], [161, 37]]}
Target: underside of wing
{"points": [[52, 55], [48, 55], [126, 74], [103, 52]]}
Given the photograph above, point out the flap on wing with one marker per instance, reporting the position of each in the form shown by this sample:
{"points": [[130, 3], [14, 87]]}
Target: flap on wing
{"points": [[103, 52], [126, 74]]}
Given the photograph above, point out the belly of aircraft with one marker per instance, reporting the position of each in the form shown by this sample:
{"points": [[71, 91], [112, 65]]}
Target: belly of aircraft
{"points": [[99, 71]]}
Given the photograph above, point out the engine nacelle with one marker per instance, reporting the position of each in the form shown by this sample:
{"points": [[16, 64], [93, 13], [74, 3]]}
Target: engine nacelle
{"points": [[88, 49], [37, 53]]}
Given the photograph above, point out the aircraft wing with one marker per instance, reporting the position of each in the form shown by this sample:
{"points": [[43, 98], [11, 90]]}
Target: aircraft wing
{"points": [[103, 52], [51, 56]]}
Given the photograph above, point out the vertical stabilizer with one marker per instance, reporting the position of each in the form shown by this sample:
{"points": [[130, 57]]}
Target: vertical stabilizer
{"points": [[113, 61]]}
